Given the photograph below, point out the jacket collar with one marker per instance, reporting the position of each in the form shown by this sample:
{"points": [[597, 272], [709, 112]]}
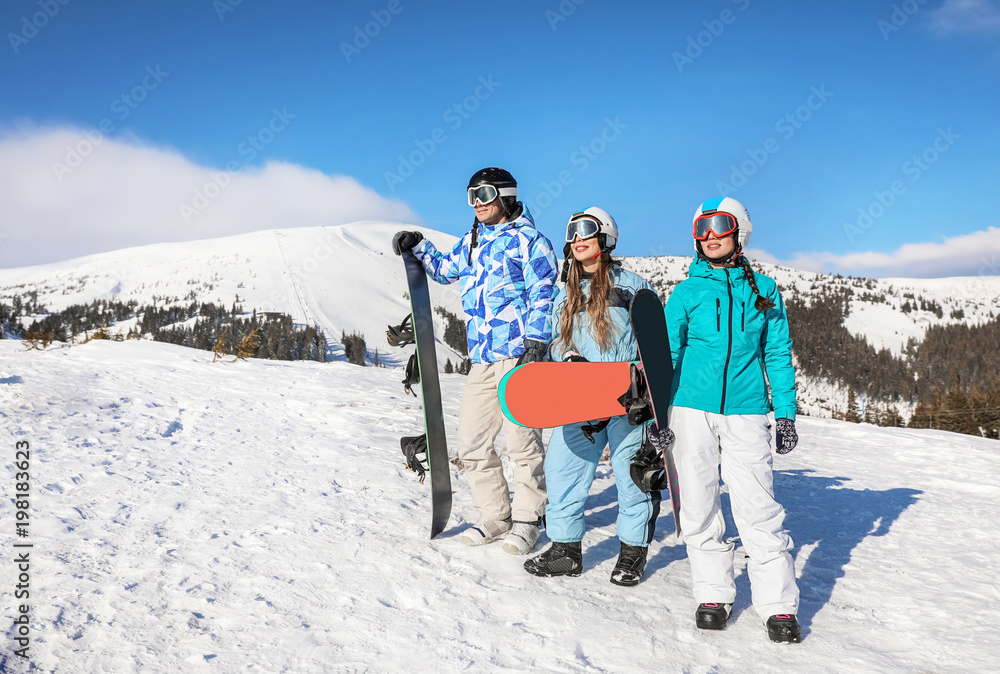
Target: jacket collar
{"points": [[524, 219], [701, 268]]}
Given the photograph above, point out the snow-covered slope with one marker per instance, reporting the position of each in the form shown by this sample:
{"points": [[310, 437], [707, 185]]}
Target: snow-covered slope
{"points": [[876, 313], [256, 517], [346, 279], [883, 324], [342, 278]]}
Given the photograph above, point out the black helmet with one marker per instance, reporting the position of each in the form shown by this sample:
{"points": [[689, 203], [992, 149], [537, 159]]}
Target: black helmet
{"points": [[498, 178]]}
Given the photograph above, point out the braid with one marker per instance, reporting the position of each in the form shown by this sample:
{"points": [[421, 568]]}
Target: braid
{"points": [[762, 304]]}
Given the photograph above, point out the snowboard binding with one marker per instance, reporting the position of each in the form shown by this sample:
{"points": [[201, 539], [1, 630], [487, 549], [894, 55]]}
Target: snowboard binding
{"points": [[648, 471], [413, 449], [636, 399], [412, 375], [402, 334]]}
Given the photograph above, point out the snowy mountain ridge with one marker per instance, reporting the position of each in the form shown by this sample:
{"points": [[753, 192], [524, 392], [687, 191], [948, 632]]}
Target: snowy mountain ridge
{"points": [[346, 279]]}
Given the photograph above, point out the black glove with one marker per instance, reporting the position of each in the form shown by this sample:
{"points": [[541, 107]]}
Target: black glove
{"points": [[534, 351], [660, 437], [574, 357], [405, 241], [786, 436]]}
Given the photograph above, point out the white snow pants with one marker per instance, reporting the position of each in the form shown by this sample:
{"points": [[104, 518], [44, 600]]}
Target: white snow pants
{"points": [[741, 443], [480, 419]]}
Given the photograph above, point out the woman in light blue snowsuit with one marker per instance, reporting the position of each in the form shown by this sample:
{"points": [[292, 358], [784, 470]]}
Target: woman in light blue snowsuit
{"points": [[591, 323]]}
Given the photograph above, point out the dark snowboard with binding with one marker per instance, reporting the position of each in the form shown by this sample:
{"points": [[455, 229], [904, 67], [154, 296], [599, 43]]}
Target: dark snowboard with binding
{"points": [[432, 445], [649, 324]]}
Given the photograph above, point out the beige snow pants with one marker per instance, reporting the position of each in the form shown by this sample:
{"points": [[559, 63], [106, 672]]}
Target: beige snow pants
{"points": [[479, 422]]}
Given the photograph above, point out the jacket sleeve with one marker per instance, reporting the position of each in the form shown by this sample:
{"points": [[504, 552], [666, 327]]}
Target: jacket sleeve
{"points": [[442, 267], [540, 288], [777, 348], [677, 324]]}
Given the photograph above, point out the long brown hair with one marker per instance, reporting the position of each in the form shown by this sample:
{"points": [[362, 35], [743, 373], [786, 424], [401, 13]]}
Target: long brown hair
{"points": [[602, 284]]}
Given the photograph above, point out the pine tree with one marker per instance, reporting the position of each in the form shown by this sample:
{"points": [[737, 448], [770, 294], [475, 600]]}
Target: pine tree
{"points": [[852, 415]]}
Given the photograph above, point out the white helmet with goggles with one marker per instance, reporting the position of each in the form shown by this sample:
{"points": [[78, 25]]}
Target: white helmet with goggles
{"points": [[722, 216], [593, 222]]}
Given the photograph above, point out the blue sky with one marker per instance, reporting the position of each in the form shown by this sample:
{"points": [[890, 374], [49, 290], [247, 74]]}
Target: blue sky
{"points": [[806, 112]]}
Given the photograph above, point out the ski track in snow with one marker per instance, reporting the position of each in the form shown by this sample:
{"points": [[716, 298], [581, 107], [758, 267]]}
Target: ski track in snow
{"points": [[256, 517]]}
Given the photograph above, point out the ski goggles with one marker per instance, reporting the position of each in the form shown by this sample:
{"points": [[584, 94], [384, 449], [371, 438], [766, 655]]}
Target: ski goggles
{"points": [[585, 228], [719, 224], [487, 194]]}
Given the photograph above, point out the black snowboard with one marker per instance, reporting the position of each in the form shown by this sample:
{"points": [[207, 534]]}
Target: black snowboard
{"points": [[437, 447], [650, 327]]}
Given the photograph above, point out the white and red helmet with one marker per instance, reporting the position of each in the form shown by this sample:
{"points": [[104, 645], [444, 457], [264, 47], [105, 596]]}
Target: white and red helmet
{"points": [[730, 206]]}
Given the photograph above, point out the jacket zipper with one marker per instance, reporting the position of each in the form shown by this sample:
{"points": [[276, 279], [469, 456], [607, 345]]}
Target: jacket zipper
{"points": [[743, 317], [718, 315], [729, 348]]}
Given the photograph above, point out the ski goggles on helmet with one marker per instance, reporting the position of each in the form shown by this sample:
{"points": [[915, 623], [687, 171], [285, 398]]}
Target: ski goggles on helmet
{"points": [[719, 224], [585, 228], [487, 194]]}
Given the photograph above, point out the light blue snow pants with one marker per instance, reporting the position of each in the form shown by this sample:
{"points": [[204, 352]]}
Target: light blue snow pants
{"points": [[570, 464]]}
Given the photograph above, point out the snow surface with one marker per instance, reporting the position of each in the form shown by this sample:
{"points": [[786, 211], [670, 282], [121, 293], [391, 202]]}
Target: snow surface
{"points": [[256, 517], [339, 279]]}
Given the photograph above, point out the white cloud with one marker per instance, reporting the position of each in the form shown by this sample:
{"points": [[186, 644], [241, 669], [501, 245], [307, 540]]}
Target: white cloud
{"points": [[965, 17], [127, 194], [975, 254]]}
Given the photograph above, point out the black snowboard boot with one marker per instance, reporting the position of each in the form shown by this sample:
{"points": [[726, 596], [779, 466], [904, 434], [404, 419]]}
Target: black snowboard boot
{"points": [[561, 559], [784, 628], [630, 566], [712, 616]]}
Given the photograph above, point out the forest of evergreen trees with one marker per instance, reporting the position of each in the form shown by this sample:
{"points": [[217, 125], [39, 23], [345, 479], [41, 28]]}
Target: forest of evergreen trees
{"points": [[951, 375], [214, 327]]}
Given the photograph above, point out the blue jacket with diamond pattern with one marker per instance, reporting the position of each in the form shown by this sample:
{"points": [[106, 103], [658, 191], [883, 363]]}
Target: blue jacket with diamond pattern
{"points": [[508, 289]]}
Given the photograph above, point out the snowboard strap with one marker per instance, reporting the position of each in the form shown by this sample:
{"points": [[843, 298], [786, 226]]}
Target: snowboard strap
{"points": [[412, 377], [475, 238], [413, 447], [589, 429], [636, 399], [402, 334], [647, 468]]}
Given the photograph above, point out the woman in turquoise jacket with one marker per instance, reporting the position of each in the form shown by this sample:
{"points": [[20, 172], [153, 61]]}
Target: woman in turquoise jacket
{"points": [[591, 323], [729, 341]]}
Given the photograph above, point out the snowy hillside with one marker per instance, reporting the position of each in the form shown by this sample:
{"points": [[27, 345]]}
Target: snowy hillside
{"points": [[342, 278], [256, 517], [887, 313], [883, 324], [346, 279]]}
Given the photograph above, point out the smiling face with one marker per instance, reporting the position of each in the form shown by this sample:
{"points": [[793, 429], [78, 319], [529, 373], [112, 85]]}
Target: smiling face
{"points": [[587, 252], [715, 248], [489, 214]]}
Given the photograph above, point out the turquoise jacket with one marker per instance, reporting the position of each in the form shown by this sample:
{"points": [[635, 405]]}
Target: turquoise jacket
{"points": [[723, 348], [623, 346]]}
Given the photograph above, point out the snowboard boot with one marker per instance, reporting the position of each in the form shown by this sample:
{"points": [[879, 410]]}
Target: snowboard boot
{"points": [[631, 564], [712, 616], [784, 628], [486, 531], [561, 559], [522, 537]]}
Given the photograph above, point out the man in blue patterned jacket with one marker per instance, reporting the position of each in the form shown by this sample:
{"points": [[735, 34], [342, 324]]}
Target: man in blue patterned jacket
{"points": [[507, 272]]}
